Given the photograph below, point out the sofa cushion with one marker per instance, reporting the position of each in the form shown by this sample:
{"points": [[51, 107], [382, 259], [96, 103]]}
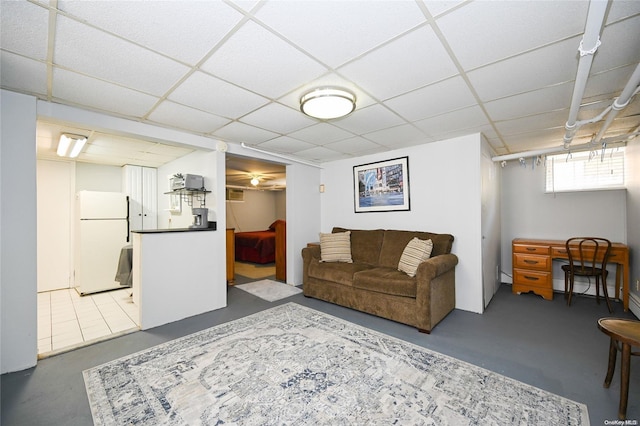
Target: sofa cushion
{"points": [[335, 247], [338, 272], [365, 245], [416, 252], [387, 281], [394, 243]]}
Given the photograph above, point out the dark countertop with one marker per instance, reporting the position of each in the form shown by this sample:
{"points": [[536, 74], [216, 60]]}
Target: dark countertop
{"points": [[162, 231]]}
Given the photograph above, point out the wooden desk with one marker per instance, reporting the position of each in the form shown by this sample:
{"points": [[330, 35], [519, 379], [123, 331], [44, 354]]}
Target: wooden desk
{"points": [[533, 269]]}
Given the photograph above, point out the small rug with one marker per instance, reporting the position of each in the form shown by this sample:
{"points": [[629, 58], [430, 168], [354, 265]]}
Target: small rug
{"points": [[292, 365], [269, 290], [255, 270]]}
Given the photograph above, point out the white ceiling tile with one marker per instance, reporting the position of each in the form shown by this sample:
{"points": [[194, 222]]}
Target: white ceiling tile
{"points": [[529, 103], [285, 144], [608, 83], [541, 139], [486, 31], [615, 49], [278, 118], [432, 100], [393, 136], [543, 67], [216, 96], [23, 74], [321, 134], [24, 29], [370, 119], [98, 94], [353, 145], [246, 59], [245, 4], [462, 120], [333, 25], [622, 8], [389, 71], [182, 30], [240, 132], [93, 52], [547, 120], [319, 154], [172, 114], [436, 7]]}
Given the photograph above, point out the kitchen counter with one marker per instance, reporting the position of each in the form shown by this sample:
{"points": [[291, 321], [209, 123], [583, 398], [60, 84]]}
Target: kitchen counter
{"points": [[161, 231], [175, 274]]}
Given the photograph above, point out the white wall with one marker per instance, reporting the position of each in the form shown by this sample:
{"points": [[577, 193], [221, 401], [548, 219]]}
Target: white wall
{"points": [[98, 177], [18, 242], [258, 210], [445, 196], [527, 212]]}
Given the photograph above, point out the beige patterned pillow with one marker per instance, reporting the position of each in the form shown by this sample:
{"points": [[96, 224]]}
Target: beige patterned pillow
{"points": [[416, 252], [336, 247]]}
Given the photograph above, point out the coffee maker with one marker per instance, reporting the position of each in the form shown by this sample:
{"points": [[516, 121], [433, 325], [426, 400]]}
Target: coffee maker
{"points": [[200, 217]]}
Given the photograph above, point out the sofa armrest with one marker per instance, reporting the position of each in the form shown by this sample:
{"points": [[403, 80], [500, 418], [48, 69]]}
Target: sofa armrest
{"points": [[436, 290], [436, 266], [308, 254]]}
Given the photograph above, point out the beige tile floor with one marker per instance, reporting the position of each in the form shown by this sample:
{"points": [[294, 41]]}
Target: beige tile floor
{"points": [[67, 320]]}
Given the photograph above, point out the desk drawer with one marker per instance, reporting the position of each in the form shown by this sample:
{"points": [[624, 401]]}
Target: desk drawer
{"points": [[531, 261], [532, 278], [531, 249]]}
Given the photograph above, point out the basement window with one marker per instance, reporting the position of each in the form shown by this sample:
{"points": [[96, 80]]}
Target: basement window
{"points": [[585, 171]]}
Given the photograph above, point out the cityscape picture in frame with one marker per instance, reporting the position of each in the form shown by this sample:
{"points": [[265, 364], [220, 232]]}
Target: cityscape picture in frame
{"points": [[382, 186]]}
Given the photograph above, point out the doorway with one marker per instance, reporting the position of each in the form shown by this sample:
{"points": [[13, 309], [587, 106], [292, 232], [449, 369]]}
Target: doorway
{"points": [[256, 219]]}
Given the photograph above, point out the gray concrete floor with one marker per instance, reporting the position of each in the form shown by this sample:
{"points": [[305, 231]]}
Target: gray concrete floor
{"points": [[543, 343]]}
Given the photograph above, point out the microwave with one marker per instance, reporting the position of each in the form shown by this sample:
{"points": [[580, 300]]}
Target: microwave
{"points": [[192, 182]]}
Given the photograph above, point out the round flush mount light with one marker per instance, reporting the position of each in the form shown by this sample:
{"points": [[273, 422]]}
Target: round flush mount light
{"points": [[328, 103]]}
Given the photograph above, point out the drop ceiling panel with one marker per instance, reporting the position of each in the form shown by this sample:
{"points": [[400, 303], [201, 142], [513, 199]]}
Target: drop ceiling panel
{"points": [[28, 20], [240, 132], [622, 9], [377, 23], [618, 51], [433, 100], [543, 67], [218, 97], [529, 103], [353, 145], [321, 134], [529, 124], [285, 144], [399, 136], [23, 74], [82, 90], [467, 120], [187, 118], [246, 59], [182, 30], [320, 154], [278, 118], [369, 119], [96, 53], [389, 71], [482, 32]]}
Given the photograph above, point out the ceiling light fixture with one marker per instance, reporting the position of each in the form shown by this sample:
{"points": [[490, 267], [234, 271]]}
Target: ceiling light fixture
{"points": [[254, 181], [70, 145], [328, 103]]}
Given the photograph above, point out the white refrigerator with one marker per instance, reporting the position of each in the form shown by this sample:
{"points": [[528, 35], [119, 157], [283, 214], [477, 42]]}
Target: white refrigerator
{"points": [[102, 230]]}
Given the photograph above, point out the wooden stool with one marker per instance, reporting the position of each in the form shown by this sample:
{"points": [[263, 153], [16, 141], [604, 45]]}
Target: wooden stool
{"points": [[624, 333]]}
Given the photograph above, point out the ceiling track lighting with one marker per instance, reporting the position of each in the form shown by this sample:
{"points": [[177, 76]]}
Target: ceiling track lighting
{"points": [[70, 145], [328, 103]]}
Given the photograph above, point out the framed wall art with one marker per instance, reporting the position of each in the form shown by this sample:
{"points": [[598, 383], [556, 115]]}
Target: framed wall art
{"points": [[382, 186]]}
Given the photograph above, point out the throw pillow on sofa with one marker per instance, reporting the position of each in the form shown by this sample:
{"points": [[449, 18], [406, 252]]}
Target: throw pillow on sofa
{"points": [[336, 247], [416, 252]]}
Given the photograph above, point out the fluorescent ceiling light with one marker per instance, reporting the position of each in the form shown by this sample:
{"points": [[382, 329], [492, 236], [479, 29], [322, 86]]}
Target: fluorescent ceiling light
{"points": [[70, 145], [327, 103]]}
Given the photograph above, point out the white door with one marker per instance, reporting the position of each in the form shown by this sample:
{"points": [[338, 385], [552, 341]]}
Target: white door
{"points": [[55, 202], [149, 198]]}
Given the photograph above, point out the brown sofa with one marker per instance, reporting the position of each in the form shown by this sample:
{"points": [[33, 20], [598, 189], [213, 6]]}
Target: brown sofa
{"points": [[373, 283]]}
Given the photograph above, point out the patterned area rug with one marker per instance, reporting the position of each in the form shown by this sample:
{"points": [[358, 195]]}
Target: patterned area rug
{"points": [[269, 290], [292, 365]]}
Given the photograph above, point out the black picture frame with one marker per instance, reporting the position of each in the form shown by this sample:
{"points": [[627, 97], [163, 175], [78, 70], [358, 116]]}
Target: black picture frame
{"points": [[382, 186]]}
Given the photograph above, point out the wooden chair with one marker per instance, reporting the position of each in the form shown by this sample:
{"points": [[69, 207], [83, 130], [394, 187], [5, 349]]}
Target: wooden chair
{"points": [[624, 334], [588, 257]]}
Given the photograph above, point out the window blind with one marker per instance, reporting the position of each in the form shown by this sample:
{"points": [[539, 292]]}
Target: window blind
{"points": [[586, 170]]}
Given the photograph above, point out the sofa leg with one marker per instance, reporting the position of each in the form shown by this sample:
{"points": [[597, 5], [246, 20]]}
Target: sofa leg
{"points": [[422, 330]]}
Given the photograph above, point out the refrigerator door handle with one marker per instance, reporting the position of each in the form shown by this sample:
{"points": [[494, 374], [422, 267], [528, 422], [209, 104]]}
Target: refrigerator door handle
{"points": [[128, 222]]}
